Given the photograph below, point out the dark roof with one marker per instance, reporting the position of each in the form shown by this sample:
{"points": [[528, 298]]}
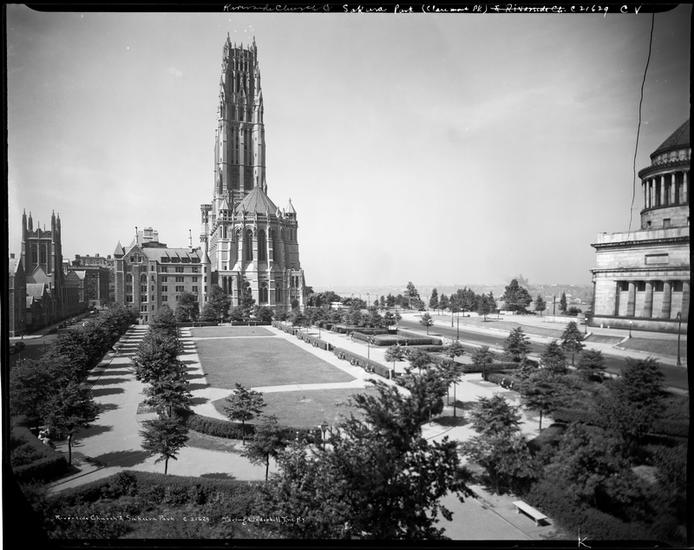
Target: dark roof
{"points": [[159, 253], [256, 201], [679, 139]]}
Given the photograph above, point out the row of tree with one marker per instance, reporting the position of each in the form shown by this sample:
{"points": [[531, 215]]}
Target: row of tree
{"points": [[167, 391], [52, 390]]}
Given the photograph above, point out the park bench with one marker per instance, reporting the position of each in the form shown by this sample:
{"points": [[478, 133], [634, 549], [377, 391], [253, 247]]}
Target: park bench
{"points": [[529, 510]]}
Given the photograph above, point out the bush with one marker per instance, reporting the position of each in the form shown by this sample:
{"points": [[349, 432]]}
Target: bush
{"points": [[357, 360], [394, 339], [317, 342], [31, 459], [218, 427], [504, 380]]}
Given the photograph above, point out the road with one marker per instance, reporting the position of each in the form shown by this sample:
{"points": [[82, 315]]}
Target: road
{"points": [[675, 377]]}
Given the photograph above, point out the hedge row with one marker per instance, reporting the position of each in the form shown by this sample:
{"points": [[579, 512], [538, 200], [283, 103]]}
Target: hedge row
{"points": [[367, 364], [315, 341], [396, 339], [230, 430], [567, 415], [197, 323], [131, 483], [673, 428], [46, 464], [409, 334]]}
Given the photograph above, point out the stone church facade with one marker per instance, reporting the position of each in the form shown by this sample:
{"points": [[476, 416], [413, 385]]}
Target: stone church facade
{"points": [[247, 237], [642, 278]]}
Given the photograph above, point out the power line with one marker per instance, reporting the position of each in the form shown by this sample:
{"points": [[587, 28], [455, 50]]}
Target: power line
{"points": [[638, 127]]}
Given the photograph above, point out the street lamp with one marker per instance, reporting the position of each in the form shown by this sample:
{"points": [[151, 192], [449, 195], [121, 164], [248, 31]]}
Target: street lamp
{"points": [[457, 327], [679, 332]]}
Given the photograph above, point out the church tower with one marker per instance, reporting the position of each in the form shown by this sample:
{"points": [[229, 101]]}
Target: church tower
{"points": [[248, 239]]}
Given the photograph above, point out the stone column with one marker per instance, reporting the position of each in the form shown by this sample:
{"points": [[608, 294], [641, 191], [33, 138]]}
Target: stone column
{"points": [[673, 188], [685, 300], [652, 192], [616, 299], [645, 194], [667, 299], [685, 188], [241, 237], [631, 301], [662, 190], [648, 301]]}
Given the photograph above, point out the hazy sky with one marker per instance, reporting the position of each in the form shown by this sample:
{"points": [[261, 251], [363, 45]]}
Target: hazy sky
{"points": [[438, 149]]}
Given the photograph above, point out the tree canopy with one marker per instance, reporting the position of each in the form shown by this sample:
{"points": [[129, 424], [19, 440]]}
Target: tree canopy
{"points": [[516, 298]]}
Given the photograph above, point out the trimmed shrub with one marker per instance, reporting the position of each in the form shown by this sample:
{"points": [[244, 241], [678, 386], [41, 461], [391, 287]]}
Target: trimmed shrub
{"points": [[504, 380], [218, 427], [31, 459], [670, 427], [357, 360]]}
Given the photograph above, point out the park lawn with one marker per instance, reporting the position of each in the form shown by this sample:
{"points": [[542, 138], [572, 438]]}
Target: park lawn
{"points": [[306, 408], [215, 332], [256, 362], [653, 345]]}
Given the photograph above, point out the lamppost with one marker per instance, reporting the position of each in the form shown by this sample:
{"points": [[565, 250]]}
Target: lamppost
{"points": [[679, 332], [630, 324], [457, 327]]}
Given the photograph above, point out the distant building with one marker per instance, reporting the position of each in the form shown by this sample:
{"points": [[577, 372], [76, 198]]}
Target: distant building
{"points": [[249, 239], [641, 279], [149, 274], [17, 297], [48, 298], [98, 278]]}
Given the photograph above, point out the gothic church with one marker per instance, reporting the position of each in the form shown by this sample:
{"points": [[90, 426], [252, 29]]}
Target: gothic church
{"points": [[247, 237]]}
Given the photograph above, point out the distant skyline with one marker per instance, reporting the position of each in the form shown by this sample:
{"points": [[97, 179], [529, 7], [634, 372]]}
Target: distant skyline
{"points": [[438, 149]]}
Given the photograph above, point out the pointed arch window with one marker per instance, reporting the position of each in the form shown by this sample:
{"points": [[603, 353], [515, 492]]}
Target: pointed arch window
{"points": [[262, 246], [248, 244], [263, 293]]}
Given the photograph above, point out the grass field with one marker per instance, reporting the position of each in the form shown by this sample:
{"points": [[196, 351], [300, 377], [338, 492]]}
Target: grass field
{"points": [[306, 409], [215, 332], [256, 362], [664, 347]]}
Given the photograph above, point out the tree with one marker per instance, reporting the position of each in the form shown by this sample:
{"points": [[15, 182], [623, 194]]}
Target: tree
{"points": [[572, 340], [208, 313], [540, 304], [247, 301], [517, 345], [32, 383], [499, 447], [483, 307], [244, 404], [164, 437], [434, 300], [444, 302], [268, 440], [493, 415], [377, 479], [390, 300], [541, 392], [265, 314], [219, 302], [492, 302], [634, 401], [70, 409], [164, 320], [418, 359], [389, 319], [553, 358], [591, 363], [516, 298], [562, 302], [169, 394], [483, 359], [187, 308], [452, 369], [156, 355], [394, 353], [426, 321]]}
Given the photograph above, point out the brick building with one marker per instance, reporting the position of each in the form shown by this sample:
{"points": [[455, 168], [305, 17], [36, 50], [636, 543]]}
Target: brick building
{"points": [[149, 274]]}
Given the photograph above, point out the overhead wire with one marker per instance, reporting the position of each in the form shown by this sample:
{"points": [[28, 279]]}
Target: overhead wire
{"points": [[638, 127]]}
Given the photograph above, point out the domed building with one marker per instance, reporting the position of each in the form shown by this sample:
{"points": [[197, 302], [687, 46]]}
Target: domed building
{"points": [[641, 279], [248, 238]]}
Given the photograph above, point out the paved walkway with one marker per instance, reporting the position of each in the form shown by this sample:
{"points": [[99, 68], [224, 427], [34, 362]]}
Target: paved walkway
{"points": [[113, 444]]}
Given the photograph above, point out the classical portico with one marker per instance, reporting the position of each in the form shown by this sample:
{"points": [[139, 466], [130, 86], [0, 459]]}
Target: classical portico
{"points": [[642, 278]]}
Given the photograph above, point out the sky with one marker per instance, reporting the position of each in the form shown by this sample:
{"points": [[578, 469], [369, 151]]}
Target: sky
{"points": [[439, 149]]}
